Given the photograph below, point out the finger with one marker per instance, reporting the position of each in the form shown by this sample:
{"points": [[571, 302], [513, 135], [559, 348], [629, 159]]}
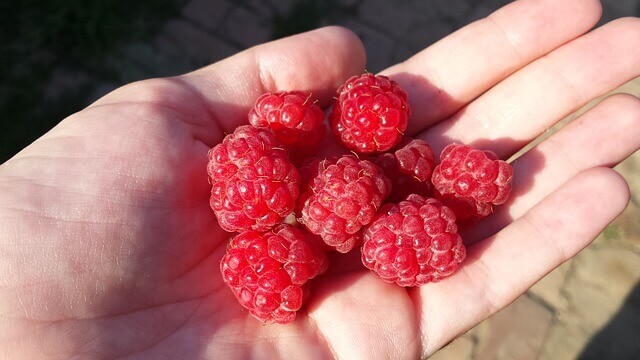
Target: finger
{"points": [[604, 136], [533, 99], [359, 314], [317, 61], [504, 266], [447, 75]]}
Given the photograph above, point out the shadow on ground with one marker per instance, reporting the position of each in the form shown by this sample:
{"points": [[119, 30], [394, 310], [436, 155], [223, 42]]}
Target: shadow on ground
{"points": [[620, 338]]}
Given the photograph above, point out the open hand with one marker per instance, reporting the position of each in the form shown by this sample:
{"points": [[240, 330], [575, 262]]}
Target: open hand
{"points": [[108, 247]]}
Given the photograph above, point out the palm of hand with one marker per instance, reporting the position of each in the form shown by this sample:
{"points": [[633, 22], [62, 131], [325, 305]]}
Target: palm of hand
{"points": [[112, 250], [145, 272]]}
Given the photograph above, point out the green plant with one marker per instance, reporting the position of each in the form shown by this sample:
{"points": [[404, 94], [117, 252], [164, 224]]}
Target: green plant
{"points": [[39, 35]]}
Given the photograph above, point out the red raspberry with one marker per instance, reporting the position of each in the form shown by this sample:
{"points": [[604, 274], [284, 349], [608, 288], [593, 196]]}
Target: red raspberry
{"points": [[254, 184], [409, 169], [413, 242], [345, 197], [267, 272], [296, 121], [370, 113], [471, 181], [309, 171]]}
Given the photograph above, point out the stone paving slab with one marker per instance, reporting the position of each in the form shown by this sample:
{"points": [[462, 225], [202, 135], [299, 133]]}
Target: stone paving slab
{"points": [[397, 21], [601, 279], [377, 46], [462, 348], [452, 9], [504, 338], [245, 28], [196, 43], [208, 13], [621, 7], [549, 289]]}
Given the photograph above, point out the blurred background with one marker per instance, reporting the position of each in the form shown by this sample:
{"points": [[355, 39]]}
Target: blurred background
{"points": [[57, 56]]}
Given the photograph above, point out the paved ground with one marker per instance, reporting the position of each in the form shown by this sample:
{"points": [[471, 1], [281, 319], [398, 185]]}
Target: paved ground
{"points": [[589, 307]]}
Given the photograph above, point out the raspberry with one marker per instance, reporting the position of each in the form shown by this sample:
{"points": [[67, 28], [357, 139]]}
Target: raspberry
{"points": [[309, 170], [370, 113], [296, 121], [254, 184], [345, 196], [471, 181], [409, 169], [267, 272], [413, 242]]}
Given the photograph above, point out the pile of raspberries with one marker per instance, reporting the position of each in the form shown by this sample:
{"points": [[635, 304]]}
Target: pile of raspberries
{"points": [[387, 198]]}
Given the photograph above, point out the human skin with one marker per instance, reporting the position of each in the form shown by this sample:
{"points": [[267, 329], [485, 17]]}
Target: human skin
{"points": [[108, 247]]}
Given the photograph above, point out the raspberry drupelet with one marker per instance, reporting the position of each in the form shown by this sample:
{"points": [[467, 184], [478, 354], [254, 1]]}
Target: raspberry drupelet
{"points": [[295, 120], [345, 196], [370, 113], [267, 272], [413, 242], [409, 168], [309, 171], [471, 181], [254, 185]]}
